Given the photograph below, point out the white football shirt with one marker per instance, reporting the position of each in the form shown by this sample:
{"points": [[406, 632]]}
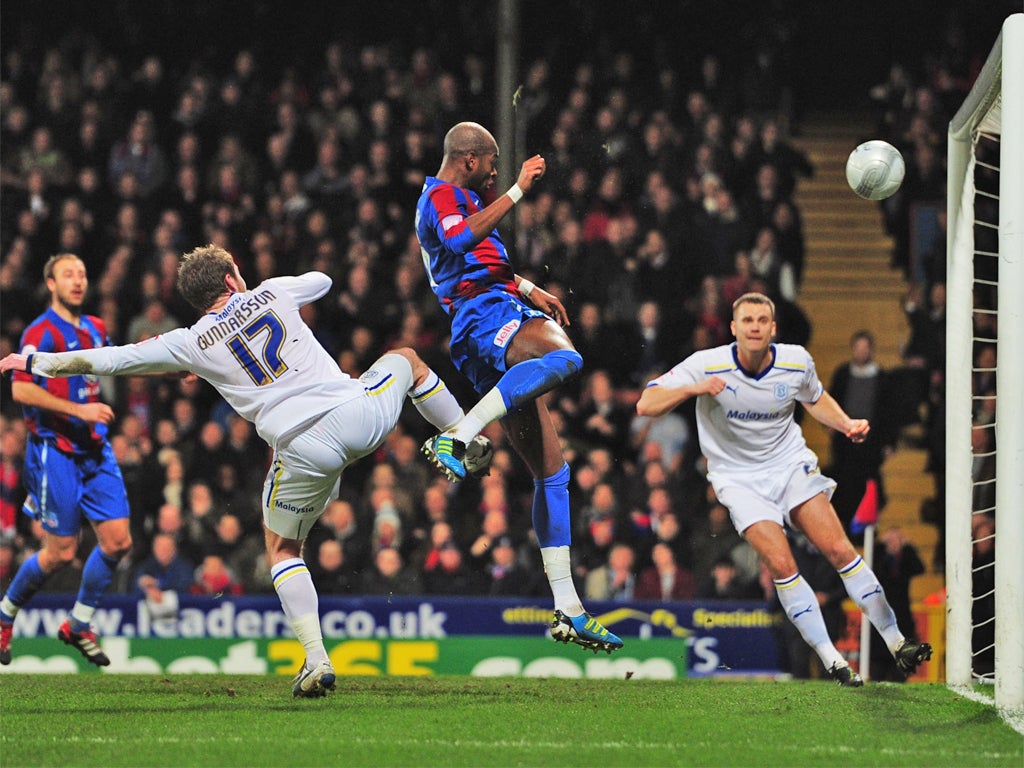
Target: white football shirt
{"points": [[257, 352], [749, 425]]}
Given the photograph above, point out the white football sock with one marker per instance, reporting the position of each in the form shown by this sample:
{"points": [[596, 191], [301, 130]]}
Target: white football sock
{"points": [[6, 606], [863, 587], [436, 403], [83, 613], [801, 606], [301, 606], [559, 572], [490, 408]]}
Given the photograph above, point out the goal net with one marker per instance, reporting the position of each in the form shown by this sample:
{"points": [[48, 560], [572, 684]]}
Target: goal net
{"points": [[985, 356]]}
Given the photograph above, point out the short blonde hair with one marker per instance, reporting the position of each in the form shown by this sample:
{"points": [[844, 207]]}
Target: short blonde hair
{"points": [[754, 298], [201, 275], [51, 263]]}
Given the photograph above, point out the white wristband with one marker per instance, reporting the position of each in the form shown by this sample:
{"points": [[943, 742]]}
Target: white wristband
{"points": [[526, 286], [515, 193]]}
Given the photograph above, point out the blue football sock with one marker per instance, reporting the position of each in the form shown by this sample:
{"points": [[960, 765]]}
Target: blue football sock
{"points": [[27, 581], [551, 509], [531, 378], [96, 577]]}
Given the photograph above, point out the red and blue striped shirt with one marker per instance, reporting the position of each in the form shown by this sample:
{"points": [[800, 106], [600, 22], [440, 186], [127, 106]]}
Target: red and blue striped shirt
{"points": [[51, 333], [458, 272]]}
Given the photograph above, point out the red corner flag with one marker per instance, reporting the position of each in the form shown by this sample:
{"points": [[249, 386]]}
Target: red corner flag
{"points": [[867, 510]]}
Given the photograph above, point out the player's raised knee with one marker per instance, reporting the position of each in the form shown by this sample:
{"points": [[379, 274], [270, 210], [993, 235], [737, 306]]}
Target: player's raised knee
{"points": [[118, 548], [569, 361], [419, 368]]}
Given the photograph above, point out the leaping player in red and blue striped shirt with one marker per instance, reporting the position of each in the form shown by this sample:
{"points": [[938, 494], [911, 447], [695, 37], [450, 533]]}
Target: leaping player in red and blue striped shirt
{"points": [[508, 340], [70, 470]]}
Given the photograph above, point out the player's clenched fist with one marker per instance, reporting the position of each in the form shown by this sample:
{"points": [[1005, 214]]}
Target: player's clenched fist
{"points": [[713, 385], [532, 170]]}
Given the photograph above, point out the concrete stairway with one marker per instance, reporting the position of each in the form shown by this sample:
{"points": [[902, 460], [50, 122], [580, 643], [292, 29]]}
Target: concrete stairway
{"points": [[848, 285]]}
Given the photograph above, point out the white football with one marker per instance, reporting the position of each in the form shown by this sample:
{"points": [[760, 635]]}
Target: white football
{"points": [[479, 455], [875, 170]]}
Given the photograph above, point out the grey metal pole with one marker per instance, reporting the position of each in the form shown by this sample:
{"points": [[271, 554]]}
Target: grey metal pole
{"points": [[506, 75]]}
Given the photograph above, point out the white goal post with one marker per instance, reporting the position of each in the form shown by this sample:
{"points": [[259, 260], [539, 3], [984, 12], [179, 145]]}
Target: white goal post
{"points": [[992, 112]]}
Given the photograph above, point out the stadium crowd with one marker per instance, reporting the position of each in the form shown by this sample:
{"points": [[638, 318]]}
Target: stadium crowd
{"points": [[668, 194]]}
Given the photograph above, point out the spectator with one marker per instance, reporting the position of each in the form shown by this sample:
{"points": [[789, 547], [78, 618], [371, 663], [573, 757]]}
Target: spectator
{"points": [[429, 558], [616, 579], [153, 321], [594, 546], [387, 529], [665, 440], [331, 574], [665, 579], [865, 391], [41, 155], [925, 349], [725, 583], [671, 533], [714, 538], [164, 570], [139, 154], [789, 162], [200, 514], [452, 576], [214, 579], [505, 576], [339, 523], [242, 553], [601, 419], [388, 576]]}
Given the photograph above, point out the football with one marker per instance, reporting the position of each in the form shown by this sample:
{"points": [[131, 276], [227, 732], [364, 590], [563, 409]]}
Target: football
{"points": [[875, 170], [479, 455]]}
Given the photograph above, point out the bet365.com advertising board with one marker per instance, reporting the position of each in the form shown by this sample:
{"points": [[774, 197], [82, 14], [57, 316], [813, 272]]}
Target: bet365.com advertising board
{"points": [[404, 636]]}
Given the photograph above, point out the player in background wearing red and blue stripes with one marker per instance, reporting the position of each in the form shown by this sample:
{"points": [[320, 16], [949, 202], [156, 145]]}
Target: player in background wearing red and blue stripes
{"points": [[508, 340], [70, 471]]}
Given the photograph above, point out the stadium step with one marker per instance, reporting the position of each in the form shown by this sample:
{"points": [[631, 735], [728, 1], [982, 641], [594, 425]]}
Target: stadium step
{"points": [[926, 584], [848, 285]]}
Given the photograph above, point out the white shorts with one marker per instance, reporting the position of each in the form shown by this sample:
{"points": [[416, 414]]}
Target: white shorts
{"points": [[305, 472], [770, 494]]}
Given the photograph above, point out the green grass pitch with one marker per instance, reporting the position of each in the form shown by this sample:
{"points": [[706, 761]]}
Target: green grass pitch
{"points": [[218, 720]]}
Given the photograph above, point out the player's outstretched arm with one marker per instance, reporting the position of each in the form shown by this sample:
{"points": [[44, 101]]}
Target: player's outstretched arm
{"points": [[30, 394], [657, 400], [483, 222], [151, 356], [831, 414]]}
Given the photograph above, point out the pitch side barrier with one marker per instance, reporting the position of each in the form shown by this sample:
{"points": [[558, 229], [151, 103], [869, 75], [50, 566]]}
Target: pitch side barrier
{"points": [[406, 636]]}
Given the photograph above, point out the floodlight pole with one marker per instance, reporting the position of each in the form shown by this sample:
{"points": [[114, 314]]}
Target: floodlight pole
{"points": [[506, 76]]}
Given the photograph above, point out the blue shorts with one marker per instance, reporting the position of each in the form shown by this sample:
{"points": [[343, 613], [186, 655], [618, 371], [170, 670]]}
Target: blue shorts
{"points": [[482, 329], [63, 488]]}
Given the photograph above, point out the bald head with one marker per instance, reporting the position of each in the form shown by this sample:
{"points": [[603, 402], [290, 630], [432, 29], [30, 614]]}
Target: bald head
{"points": [[464, 138], [470, 157]]}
